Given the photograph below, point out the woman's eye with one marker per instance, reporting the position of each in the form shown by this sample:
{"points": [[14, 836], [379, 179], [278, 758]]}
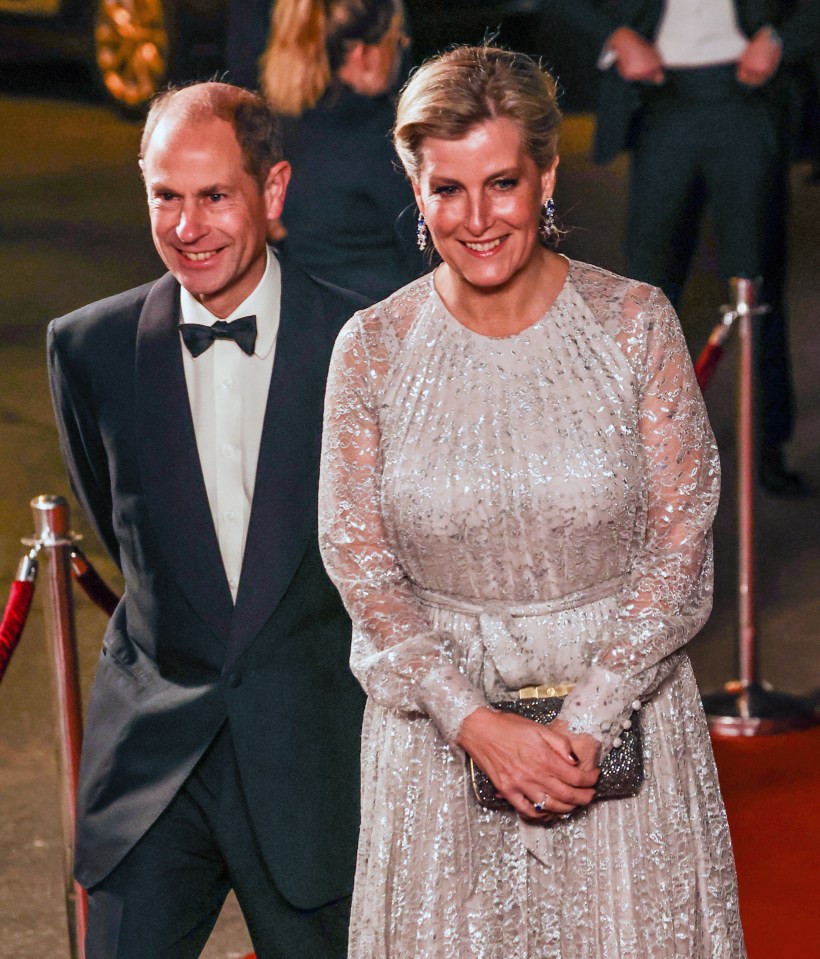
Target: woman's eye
{"points": [[506, 183], [446, 189]]}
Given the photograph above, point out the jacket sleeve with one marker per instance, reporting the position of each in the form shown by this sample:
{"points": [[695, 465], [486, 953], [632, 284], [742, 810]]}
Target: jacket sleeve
{"points": [[668, 596], [81, 444]]}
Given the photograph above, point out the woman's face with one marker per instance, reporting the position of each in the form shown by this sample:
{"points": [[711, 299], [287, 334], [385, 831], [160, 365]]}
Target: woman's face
{"points": [[481, 197]]}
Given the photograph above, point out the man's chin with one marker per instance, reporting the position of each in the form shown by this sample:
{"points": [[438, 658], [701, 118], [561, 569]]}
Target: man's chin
{"points": [[196, 284]]}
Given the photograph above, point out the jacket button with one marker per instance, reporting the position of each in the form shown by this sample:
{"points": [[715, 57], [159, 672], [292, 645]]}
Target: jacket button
{"points": [[234, 680]]}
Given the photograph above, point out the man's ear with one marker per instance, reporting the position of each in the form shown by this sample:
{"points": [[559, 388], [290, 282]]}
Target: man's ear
{"points": [[276, 186]]}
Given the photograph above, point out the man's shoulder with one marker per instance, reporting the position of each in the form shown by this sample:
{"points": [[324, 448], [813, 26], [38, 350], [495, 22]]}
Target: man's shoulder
{"points": [[340, 300], [337, 303], [107, 318]]}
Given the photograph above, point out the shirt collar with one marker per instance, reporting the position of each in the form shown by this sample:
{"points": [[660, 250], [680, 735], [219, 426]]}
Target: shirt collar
{"points": [[264, 303]]}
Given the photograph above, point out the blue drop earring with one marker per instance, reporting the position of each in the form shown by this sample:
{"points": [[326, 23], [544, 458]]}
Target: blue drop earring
{"points": [[547, 229], [421, 233]]}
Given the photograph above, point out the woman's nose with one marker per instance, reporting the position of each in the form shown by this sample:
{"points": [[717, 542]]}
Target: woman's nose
{"points": [[478, 216]]}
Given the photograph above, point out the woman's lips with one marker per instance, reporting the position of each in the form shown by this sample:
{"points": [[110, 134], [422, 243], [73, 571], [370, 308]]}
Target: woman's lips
{"points": [[485, 246]]}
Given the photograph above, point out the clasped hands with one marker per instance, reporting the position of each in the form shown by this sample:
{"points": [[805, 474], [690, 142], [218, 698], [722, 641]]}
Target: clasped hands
{"points": [[543, 771], [638, 60]]}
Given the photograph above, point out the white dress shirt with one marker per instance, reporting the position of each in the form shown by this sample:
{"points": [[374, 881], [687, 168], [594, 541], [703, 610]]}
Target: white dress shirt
{"points": [[699, 33], [228, 392]]}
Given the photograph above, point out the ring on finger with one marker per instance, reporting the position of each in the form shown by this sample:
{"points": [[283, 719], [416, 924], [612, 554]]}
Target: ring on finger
{"points": [[542, 805]]}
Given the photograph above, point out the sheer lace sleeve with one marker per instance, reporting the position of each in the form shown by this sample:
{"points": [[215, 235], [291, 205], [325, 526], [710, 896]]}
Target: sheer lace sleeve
{"points": [[669, 593], [396, 656]]}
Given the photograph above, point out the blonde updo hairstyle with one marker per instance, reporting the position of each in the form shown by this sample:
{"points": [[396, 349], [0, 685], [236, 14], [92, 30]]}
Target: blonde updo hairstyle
{"points": [[456, 91], [309, 42]]}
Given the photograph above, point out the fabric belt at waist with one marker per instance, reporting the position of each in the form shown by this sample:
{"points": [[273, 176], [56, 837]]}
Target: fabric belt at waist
{"points": [[503, 608]]}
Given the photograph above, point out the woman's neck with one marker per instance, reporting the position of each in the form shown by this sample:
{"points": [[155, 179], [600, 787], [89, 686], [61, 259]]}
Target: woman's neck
{"points": [[508, 309]]}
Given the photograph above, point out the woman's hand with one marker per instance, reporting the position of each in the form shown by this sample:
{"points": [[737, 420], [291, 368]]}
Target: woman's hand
{"points": [[585, 747], [530, 763]]}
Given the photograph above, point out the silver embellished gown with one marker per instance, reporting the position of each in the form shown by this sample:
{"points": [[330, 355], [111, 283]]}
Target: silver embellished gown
{"points": [[501, 512]]}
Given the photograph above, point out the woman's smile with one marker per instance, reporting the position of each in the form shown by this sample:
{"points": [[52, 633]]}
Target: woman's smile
{"points": [[485, 247]]}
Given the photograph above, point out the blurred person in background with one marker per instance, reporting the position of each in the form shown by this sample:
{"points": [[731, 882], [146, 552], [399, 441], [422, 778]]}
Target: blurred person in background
{"points": [[330, 72], [696, 90]]}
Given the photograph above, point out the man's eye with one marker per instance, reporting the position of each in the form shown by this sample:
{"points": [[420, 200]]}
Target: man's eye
{"points": [[216, 197]]}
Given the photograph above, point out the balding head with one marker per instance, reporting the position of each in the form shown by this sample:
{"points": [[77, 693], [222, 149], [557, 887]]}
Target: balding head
{"points": [[254, 125]]}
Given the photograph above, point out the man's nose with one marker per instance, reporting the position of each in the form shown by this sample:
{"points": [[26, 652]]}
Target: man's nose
{"points": [[191, 224]]}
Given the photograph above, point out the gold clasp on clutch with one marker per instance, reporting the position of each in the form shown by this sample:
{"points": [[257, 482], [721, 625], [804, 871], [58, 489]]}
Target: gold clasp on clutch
{"points": [[546, 692]]}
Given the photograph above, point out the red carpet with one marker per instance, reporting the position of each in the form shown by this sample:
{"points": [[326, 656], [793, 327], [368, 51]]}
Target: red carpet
{"points": [[772, 790]]}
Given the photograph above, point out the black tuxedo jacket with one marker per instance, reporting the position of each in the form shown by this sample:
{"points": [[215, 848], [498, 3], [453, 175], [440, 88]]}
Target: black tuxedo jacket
{"points": [[799, 28], [179, 659]]}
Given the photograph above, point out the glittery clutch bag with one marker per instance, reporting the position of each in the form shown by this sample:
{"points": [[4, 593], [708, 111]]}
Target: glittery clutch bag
{"points": [[621, 771]]}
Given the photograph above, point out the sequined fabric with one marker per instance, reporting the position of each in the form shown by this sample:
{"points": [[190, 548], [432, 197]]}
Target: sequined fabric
{"points": [[504, 512]]}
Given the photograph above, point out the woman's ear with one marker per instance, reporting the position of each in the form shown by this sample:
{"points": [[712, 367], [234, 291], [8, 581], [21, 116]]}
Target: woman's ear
{"points": [[548, 178], [417, 195]]}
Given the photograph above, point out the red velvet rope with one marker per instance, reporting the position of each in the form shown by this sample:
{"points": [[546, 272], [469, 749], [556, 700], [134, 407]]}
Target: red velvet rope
{"points": [[97, 590], [14, 619], [707, 363]]}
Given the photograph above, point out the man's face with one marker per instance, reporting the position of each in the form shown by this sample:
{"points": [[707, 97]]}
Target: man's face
{"points": [[209, 218]]}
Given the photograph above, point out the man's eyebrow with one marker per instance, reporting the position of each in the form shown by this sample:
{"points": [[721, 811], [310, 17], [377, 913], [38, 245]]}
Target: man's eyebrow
{"points": [[159, 187]]}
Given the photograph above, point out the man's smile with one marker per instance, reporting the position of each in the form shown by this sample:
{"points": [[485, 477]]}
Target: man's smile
{"points": [[199, 256]]}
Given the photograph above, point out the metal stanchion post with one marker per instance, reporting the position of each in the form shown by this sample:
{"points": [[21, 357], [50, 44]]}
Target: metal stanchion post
{"points": [[52, 533], [747, 706], [744, 295]]}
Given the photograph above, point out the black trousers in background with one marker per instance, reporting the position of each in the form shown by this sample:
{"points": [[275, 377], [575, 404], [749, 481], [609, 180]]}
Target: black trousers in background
{"points": [[163, 900], [704, 141]]}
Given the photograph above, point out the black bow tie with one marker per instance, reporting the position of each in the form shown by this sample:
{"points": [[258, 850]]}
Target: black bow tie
{"points": [[198, 337]]}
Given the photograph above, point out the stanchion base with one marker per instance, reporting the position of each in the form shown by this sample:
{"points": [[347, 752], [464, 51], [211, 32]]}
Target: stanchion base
{"points": [[753, 710]]}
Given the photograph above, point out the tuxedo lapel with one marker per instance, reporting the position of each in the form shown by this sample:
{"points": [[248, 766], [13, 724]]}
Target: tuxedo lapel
{"points": [[283, 514], [169, 461]]}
